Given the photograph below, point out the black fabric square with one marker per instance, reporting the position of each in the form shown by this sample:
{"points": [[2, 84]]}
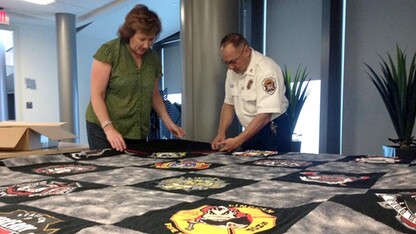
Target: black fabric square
{"points": [[92, 154], [174, 145], [374, 159], [286, 163], [219, 217], [165, 154], [60, 169], [333, 179], [27, 219], [395, 209], [16, 193], [195, 184]]}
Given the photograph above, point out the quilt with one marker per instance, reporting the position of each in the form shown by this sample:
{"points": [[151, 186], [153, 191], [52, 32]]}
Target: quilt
{"points": [[179, 186]]}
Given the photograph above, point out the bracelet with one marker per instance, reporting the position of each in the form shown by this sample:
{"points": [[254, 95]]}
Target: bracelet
{"points": [[105, 124]]}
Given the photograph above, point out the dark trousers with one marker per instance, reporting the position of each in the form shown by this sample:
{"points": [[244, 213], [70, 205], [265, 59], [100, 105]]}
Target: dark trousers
{"points": [[274, 136], [97, 139]]}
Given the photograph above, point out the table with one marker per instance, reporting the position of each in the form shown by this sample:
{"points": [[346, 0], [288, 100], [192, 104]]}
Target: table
{"points": [[63, 147], [146, 190]]}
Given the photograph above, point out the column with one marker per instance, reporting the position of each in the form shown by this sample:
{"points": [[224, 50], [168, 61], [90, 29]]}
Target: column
{"points": [[203, 25], [67, 71]]}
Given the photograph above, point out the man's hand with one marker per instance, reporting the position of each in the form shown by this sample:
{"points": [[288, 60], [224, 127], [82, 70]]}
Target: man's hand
{"points": [[216, 143], [229, 145]]}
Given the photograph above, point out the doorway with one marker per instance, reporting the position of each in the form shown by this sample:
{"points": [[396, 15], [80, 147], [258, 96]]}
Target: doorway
{"points": [[7, 84]]}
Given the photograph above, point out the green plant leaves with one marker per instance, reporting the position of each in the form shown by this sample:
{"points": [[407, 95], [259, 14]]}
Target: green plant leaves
{"points": [[397, 88], [296, 92]]}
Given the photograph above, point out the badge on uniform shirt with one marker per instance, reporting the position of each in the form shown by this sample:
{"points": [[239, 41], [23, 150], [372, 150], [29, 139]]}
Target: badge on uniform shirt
{"points": [[249, 84], [269, 85]]}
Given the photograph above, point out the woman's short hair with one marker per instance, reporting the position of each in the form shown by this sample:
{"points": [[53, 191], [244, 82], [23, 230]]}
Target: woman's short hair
{"points": [[140, 19]]}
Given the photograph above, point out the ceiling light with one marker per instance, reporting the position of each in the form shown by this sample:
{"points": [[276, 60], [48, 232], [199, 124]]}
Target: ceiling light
{"points": [[40, 2]]}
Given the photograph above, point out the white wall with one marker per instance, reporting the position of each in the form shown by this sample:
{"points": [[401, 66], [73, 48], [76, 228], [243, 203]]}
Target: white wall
{"points": [[172, 68], [373, 28], [293, 34], [293, 38], [36, 58]]}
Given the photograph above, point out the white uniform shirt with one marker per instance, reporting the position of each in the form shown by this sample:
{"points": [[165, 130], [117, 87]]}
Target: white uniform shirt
{"points": [[261, 89]]}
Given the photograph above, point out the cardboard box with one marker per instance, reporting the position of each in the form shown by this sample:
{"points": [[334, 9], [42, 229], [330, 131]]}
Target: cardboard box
{"points": [[18, 136]]}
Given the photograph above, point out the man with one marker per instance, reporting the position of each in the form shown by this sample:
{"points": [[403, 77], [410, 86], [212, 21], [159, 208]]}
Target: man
{"points": [[255, 92]]}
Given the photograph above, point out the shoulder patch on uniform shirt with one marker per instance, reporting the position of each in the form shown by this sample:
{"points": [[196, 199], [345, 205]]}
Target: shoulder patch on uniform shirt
{"points": [[269, 85]]}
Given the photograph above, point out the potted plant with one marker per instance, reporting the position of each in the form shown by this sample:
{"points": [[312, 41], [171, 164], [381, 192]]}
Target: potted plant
{"points": [[397, 87], [296, 92]]}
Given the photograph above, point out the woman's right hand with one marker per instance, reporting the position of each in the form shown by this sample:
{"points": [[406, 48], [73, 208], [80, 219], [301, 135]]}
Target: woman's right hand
{"points": [[115, 138]]}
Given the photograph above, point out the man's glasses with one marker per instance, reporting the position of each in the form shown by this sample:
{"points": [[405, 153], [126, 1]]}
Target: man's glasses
{"points": [[234, 61]]}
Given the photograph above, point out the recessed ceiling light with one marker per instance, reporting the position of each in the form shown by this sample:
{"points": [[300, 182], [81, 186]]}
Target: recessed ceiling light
{"points": [[40, 2]]}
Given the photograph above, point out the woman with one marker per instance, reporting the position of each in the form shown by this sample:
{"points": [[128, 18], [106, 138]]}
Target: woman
{"points": [[125, 77]]}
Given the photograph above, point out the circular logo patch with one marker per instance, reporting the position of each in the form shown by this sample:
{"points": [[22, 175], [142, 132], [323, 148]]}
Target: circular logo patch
{"points": [[223, 220], [168, 155], [192, 183], [183, 164], [269, 85]]}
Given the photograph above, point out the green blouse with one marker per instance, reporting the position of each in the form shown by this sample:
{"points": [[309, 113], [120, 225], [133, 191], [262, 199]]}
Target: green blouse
{"points": [[129, 90]]}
